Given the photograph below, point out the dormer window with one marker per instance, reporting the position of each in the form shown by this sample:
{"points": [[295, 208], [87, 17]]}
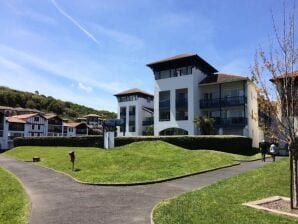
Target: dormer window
{"points": [[36, 119]]}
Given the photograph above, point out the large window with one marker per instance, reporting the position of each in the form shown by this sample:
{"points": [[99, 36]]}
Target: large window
{"points": [[123, 117], [132, 118], [164, 106], [181, 104], [173, 72]]}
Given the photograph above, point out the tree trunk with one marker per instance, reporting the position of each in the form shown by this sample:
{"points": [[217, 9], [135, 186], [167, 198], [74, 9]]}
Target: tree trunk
{"points": [[294, 186]]}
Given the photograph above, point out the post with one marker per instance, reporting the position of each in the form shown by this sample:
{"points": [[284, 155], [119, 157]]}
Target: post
{"points": [[72, 158]]}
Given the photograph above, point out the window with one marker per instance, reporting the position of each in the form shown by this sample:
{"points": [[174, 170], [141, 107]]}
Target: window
{"points": [[132, 119], [38, 127], [123, 117], [70, 129], [32, 126], [164, 106], [174, 72], [181, 104], [36, 119]]}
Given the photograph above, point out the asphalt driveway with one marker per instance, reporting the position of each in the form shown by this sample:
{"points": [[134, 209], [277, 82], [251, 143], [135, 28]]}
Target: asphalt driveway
{"points": [[56, 198]]}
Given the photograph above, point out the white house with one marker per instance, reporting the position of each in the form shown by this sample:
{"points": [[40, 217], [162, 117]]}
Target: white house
{"points": [[26, 125], [186, 86], [75, 129], [135, 108]]}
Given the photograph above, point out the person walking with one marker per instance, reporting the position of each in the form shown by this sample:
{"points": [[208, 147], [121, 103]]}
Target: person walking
{"points": [[273, 151], [263, 149]]}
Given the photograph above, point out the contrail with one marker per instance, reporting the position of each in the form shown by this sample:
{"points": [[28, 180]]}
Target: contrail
{"points": [[74, 22]]}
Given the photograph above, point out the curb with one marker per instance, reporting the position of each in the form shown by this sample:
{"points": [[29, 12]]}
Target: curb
{"points": [[134, 183], [29, 203]]}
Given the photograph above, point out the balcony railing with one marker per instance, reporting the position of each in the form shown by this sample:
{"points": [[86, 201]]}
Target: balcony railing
{"points": [[223, 102], [148, 121], [230, 122]]}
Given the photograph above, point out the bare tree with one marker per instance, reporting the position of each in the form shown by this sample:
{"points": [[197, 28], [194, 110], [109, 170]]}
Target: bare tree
{"points": [[279, 98]]}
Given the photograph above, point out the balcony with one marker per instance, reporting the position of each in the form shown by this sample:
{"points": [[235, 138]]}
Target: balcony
{"points": [[212, 103], [233, 101], [148, 121], [223, 102], [230, 122]]}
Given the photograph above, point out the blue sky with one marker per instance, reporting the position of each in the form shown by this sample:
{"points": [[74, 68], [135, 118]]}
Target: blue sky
{"points": [[86, 51]]}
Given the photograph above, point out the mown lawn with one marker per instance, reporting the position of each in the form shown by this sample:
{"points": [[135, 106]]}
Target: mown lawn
{"points": [[136, 162], [13, 200], [222, 202]]}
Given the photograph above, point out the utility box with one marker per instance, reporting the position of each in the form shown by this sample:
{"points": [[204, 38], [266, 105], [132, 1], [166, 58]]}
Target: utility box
{"points": [[109, 140]]}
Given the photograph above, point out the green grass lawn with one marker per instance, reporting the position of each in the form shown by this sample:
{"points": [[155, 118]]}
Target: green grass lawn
{"points": [[250, 158], [13, 200], [136, 162], [222, 202]]}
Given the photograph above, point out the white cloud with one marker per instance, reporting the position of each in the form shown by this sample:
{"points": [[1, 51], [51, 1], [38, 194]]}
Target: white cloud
{"points": [[126, 39], [18, 77], [86, 88], [91, 74], [76, 23]]}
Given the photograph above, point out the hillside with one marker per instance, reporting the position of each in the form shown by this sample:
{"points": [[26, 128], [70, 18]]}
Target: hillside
{"points": [[15, 98]]}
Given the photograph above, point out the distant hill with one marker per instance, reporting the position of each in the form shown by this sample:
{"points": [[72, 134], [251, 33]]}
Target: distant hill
{"points": [[15, 98]]}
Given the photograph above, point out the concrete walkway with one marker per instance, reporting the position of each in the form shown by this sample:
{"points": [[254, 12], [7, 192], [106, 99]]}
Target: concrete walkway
{"points": [[56, 198]]}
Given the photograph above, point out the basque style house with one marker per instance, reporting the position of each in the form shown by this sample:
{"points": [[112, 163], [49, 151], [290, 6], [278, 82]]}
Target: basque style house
{"points": [[135, 108], [21, 122], [75, 129], [186, 86], [26, 125], [55, 125]]}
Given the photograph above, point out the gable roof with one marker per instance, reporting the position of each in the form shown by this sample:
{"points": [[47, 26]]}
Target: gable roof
{"points": [[281, 77], [22, 117], [133, 91], [15, 120], [182, 60], [71, 125], [91, 115], [222, 78]]}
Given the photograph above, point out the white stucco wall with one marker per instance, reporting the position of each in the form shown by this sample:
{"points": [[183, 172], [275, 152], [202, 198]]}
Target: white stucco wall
{"points": [[171, 84], [139, 116]]}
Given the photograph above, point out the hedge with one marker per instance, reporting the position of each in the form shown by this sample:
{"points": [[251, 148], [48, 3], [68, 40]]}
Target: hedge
{"points": [[82, 141], [224, 143]]}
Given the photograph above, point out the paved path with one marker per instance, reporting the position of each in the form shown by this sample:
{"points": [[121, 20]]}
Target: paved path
{"points": [[56, 198]]}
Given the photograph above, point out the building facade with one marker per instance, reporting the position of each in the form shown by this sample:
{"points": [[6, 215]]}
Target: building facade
{"points": [[186, 87], [55, 125], [75, 129], [135, 109]]}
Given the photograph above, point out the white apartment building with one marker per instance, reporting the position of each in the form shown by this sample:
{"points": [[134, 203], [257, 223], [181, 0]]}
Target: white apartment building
{"points": [[135, 108], [186, 86]]}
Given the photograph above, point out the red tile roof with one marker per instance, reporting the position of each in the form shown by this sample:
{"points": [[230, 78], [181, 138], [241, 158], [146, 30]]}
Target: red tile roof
{"points": [[222, 78], [71, 125], [132, 91], [21, 118], [281, 77], [15, 120]]}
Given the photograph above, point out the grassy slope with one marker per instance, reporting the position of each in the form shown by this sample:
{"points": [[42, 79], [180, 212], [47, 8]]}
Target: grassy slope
{"points": [[221, 202], [13, 200], [136, 162]]}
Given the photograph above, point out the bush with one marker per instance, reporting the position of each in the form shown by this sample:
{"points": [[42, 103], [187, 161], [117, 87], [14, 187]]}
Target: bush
{"points": [[82, 141], [225, 143]]}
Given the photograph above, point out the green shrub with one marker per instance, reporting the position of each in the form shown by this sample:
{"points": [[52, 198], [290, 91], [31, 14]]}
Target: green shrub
{"points": [[225, 143], [82, 141]]}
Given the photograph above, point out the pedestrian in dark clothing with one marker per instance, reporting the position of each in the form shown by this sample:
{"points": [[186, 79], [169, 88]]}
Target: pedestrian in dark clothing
{"points": [[263, 149]]}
